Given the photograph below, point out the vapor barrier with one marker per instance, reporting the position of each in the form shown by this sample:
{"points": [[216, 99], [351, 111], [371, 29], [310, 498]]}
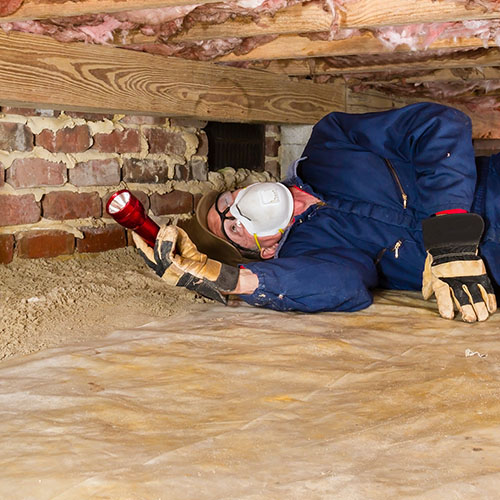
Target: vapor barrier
{"points": [[243, 403]]}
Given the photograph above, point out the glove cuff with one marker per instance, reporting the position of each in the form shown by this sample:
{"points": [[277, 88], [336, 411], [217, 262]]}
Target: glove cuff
{"points": [[458, 233]]}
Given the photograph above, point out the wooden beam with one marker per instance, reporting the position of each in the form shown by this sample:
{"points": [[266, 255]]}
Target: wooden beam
{"points": [[310, 67], [307, 18], [379, 13], [43, 73], [297, 47], [485, 122], [46, 9]]}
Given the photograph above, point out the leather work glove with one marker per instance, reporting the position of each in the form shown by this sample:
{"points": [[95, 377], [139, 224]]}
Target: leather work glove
{"points": [[176, 260], [453, 270]]}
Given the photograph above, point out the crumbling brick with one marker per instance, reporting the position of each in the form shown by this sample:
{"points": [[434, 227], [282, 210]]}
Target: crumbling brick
{"points": [[62, 205], [142, 120], [66, 140], [203, 144], [52, 113], [15, 210], [272, 146], [15, 137], [101, 239], [118, 141], [6, 248], [45, 244], [89, 117], [165, 141], [150, 171], [273, 167], [187, 123], [176, 202], [199, 169], [32, 172], [95, 173]]}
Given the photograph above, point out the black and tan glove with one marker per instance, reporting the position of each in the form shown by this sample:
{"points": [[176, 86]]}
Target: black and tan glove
{"points": [[176, 260], [453, 270]]}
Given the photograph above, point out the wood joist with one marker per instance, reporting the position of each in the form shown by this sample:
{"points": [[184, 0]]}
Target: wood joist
{"points": [[296, 45]]}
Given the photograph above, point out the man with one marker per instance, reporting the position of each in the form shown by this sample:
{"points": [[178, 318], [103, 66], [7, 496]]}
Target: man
{"points": [[391, 199]]}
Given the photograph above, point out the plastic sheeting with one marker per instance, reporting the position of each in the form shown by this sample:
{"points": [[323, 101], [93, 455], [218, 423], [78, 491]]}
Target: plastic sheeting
{"points": [[244, 403]]}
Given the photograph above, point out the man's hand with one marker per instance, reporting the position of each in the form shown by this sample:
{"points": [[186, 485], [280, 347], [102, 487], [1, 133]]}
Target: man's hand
{"points": [[453, 270], [176, 260]]}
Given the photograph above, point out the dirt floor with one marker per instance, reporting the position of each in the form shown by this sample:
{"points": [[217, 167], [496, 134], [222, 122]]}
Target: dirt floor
{"points": [[48, 302]]}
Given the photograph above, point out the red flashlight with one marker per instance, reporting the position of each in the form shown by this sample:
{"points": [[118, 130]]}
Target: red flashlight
{"points": [[128, 211]]}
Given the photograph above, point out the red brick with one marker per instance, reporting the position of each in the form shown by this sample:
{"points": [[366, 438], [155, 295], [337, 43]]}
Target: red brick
{"points": [[273, 167], [118, 141], [199, 169], [272, 146], [6, 248], [203, 144], [15, 210], [45, 244], [62, 205], [187, 123], [164, 141], [15, 137], [143, 120], [95, 173], [89, 117], [140, 195], [152, 171], [101, 239], [176, 202], [31, 112], [272, 130], [32, 172], [182, 173], [66, 140]]}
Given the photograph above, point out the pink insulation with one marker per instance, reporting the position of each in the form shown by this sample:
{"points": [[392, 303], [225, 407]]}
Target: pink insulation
{"points": [[8, 7]]}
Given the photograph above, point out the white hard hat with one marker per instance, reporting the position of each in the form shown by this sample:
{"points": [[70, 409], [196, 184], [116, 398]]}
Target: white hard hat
{"points": [[263, 208]]}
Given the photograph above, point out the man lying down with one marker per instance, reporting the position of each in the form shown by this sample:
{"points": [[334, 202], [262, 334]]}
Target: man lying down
{"points": [[392, 199]]}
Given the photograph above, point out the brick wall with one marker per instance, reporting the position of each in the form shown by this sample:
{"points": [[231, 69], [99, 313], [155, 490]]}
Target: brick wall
{"points": [[58, 169]]}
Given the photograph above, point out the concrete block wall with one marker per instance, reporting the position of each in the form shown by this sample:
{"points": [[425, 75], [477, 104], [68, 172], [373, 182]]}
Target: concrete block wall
{"points": [[58, 169], [293, 140]]}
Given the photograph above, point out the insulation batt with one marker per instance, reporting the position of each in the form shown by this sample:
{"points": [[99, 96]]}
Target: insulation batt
{"points": [[8, 7]]}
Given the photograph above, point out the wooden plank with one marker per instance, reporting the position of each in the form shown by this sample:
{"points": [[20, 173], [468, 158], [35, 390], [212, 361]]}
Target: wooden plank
{"points": [[46, 9], [379, 13], [304, 67], [41, 72], [297, 47], [485, 122], [307, 18]]}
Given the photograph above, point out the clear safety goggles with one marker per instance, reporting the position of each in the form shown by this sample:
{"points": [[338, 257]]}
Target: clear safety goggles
{"points": [[232, 228]]}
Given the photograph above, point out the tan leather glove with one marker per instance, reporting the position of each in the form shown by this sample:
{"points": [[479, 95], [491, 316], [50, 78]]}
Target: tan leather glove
{"points": [[176, 260], [453, 271]]}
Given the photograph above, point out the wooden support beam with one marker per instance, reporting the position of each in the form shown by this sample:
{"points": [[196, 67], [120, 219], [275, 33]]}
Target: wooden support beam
{"points": [[47, 9], [298, 47], [307, 18], [485, 122], [43, 73], [306, 67], [379, 13]]}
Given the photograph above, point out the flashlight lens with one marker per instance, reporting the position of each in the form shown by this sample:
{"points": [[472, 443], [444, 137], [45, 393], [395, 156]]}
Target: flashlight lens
{"points": [[119, 202]]}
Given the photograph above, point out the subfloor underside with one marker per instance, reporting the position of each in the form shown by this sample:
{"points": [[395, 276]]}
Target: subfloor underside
{"points": [[242, 403]]}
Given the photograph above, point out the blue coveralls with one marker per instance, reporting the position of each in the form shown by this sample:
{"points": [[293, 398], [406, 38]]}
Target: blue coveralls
{"points": [[378, 174]]}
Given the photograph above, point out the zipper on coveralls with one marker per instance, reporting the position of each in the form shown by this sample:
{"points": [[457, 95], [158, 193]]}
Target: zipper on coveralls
{"points": [[394, 249], [398, 182]]}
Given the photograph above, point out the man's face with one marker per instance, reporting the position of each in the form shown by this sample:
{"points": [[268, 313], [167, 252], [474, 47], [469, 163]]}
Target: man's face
{"points": [[226, 227]]}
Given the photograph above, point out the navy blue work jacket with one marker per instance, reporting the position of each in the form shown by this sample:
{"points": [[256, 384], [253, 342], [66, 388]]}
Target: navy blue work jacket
{"points": [[378, 175]]}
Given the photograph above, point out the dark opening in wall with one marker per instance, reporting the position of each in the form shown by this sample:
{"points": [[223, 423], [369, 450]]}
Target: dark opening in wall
{"points": [[237, 145]]}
